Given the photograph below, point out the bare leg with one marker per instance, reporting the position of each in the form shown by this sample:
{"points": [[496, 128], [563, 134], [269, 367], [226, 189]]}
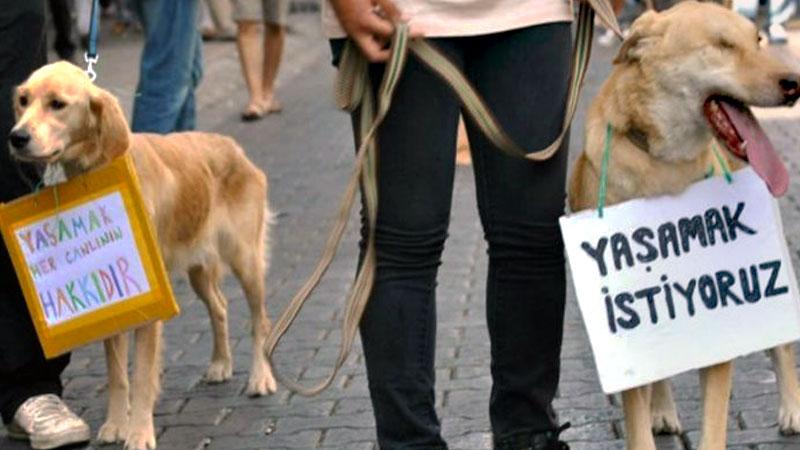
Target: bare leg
{"points": [[220, 12], [273, 52], [248, 41], [638, 429], [205, 281], [716, 385], [146, 386], [663, 411], [783, 362], [115, 429]]}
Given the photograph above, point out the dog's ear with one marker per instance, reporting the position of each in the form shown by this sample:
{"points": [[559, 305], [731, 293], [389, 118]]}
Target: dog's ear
{"points": [[15, 101], [115, 137], [644, 32]]}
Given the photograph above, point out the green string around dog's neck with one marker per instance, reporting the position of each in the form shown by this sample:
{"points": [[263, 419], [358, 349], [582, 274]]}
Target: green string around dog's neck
{"points": [[601, 192], [723, 164]]}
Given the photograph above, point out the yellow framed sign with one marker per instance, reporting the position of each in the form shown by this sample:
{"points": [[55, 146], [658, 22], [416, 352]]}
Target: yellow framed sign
{"points": [[87, 258]]}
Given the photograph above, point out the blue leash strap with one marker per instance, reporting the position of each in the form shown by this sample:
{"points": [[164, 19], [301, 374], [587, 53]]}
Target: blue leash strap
{"points": [[91, 52], [601, 191]]}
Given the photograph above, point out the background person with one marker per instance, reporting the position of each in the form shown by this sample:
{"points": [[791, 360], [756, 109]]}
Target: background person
{"points": [[30, 385], [218, 20], [260, 56], [62, 22], [499, 45], [171, 66], [609, 37]]}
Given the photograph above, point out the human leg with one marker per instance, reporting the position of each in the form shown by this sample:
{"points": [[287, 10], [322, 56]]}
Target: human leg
{"points": [[415, 175], [187, 118], [276, 14], [38, 376], [249, 43], [221, 15], [83, 13], [170, 69], [273, 52], [22, 28], [520, 203], [62, 21]]}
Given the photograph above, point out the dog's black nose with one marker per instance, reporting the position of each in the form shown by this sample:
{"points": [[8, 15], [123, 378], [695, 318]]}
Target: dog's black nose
{"points": [[790, 86], [19, 139]]}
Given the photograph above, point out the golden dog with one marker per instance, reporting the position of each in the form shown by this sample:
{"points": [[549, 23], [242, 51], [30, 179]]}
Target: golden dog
{"points": [[209, 207], [682, 78]]}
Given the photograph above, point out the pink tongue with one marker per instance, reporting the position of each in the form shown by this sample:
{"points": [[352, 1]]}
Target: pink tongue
{"points": [[760, 152]]}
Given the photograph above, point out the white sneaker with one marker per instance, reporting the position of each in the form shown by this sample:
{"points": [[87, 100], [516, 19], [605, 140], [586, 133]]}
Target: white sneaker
{"points": [[607, 38], [48, 423], [777, 34]]}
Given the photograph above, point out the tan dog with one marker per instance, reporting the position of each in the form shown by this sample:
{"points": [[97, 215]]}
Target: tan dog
{"points": [[682, 77], [209, 206]]}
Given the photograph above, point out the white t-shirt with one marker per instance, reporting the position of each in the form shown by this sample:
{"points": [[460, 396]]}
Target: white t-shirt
{"points": [[445, 18]]}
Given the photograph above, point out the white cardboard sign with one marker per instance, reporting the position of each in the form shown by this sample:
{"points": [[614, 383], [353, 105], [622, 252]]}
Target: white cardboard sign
{"points": [[670, 284], [83, 259]]}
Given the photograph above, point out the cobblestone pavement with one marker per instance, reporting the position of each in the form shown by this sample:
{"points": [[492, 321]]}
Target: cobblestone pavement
{"points": [[306, 151]]}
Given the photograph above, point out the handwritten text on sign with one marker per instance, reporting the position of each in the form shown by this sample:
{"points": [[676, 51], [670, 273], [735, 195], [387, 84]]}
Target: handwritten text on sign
{"points": [[671, 284], [83, 259]]}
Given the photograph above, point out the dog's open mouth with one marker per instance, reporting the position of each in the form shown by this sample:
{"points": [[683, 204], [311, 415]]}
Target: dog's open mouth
{"points": [[737, 128]]}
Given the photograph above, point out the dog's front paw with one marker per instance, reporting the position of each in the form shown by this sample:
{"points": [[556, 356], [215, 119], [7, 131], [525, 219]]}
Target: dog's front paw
{"points": [[219, 371], [261, 381], [666, 422], [141, 438], [789, 417], [112, 432]]}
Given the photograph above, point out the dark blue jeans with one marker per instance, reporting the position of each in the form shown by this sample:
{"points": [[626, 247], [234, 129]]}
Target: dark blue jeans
{"points": [[171, 68], [523, 76]]}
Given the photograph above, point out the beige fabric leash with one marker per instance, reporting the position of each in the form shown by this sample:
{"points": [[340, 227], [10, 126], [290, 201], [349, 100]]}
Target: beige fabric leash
{"points": [[353, 91]]}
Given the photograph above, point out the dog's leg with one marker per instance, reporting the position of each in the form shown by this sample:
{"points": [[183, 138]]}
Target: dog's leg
{"points": [[638, 428], [783, 362], [115, 429], [662, 409], [146, 384], [247, 271], [204, 280], [716, 385]]}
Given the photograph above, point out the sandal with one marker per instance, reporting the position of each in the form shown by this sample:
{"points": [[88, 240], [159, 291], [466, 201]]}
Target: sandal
{"points": [[272, 105], [252, 113]]}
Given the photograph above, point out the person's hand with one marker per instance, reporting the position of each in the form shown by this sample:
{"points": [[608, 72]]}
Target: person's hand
{"points": [[370, 23]]}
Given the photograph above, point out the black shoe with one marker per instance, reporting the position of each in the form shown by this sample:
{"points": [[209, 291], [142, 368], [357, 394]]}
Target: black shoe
{"points": [[547, 440]]}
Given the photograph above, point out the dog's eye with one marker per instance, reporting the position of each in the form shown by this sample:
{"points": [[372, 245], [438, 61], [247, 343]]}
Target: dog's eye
{"points": [[57, 104], [23, 100], [726, 44]]}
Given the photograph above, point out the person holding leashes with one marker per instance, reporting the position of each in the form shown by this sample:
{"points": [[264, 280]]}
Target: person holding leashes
{"points": [[30, 385], [517, 55]]}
